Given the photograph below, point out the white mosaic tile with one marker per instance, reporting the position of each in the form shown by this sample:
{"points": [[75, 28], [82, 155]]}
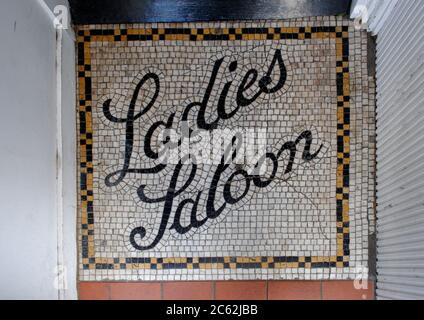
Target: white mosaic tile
{"points": [[303, 83]]}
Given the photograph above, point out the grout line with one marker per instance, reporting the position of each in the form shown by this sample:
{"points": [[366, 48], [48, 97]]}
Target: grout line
{"points": [[320, 286], [267, 289], [161, 290], [214, 290], [109, 291]]}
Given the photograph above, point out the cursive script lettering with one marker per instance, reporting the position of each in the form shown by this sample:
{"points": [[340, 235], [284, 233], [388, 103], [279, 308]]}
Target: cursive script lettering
{"points": [[203, 207]]}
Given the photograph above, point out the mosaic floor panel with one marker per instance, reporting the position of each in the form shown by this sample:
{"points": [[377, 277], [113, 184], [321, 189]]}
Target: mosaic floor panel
{"points": [[230, 150]]}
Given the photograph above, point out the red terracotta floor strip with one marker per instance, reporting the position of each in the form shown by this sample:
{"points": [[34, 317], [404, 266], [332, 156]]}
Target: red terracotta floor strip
{"points": [[202, 290], [225, 290], [135, 290], [294, 290], [345, 290], [241, 290], [93, 291]]}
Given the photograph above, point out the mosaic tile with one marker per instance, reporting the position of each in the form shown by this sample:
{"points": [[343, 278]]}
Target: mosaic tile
{"points": [[301, 86]]}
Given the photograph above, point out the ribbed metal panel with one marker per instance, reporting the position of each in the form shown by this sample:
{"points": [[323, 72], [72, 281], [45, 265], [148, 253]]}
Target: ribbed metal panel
{"points": [[400, 153]]}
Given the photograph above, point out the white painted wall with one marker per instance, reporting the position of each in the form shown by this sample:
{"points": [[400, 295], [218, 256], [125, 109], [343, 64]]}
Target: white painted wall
{"points": [[69, 190], [28, 163]]}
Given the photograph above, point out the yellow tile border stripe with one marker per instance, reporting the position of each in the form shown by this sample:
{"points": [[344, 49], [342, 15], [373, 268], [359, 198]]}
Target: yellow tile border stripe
{"points": [[85, 37]]}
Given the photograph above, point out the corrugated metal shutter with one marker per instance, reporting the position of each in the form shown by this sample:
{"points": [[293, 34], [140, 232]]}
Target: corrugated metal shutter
{"points": [[400, 153]]}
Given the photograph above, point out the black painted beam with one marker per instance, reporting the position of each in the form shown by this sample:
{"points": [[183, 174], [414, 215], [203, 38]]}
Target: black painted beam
{"points": [[137, 11]]}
